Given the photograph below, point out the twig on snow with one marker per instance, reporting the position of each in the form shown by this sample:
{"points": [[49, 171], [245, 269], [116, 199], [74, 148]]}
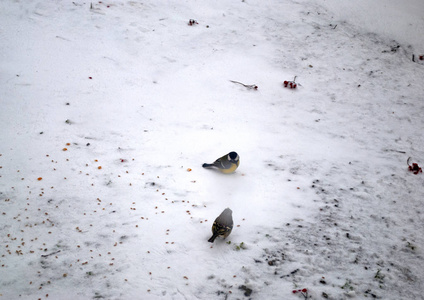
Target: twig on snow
{"points": [[50, 254], [291, 273], [393, 150], [249, 86]]}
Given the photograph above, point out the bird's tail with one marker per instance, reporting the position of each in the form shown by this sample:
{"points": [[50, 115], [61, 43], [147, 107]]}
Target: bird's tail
{"points": [[207, 165], [212, 239]]}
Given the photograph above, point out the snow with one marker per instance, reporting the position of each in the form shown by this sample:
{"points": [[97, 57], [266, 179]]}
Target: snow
{"points": [[397, 20], [107, 114]]}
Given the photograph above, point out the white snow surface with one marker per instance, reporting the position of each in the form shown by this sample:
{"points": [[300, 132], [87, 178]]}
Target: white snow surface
{"points": [[109, 109]]}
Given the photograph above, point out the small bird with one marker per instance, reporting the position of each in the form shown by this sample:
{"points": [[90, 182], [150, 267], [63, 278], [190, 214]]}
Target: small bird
{"points": [[226, 164], [222, 225]]}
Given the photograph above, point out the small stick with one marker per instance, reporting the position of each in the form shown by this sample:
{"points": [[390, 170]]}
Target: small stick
{"points": [[291, 273], [251, 86], [53, 253], [393, 150]]}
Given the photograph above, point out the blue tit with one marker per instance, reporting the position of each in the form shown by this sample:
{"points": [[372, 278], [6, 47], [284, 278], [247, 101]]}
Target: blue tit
{"points": [[222, 225], [226, 164]]}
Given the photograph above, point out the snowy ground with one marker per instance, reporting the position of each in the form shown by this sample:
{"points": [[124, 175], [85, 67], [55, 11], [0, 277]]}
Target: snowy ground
{"points": [[107, 114]]}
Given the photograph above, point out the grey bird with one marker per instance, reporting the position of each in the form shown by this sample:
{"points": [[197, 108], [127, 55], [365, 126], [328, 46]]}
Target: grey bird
{"points": [[222, 225]]}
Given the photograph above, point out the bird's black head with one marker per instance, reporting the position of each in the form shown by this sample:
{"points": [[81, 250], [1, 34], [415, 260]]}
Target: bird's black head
{"points": [[233, 156]]}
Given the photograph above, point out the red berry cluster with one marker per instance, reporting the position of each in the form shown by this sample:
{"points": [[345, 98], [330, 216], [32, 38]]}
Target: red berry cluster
{"points": [[303, 292], [290, 84], [192, 22], [415, 168]]}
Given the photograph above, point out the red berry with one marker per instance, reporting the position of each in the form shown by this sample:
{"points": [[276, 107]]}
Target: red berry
{"points": [[90, 77], [304, 290], [421, 57], [294, 291]]}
